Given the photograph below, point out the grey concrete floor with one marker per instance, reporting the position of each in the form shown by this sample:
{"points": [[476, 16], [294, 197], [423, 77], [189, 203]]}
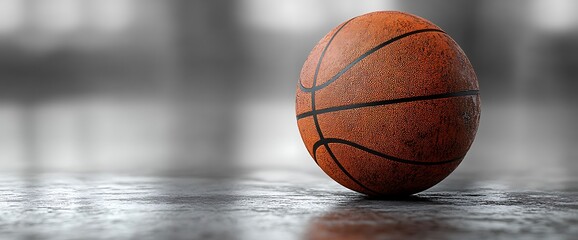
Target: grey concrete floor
{"points": [[279, 205]]}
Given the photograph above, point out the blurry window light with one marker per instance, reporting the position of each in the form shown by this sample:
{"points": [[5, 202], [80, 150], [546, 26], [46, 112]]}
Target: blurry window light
{"points": [[554, 15], [351, 9], [111, 15], [63, 16], [303, 15], [45, 25], [11, 16], [283, 15], [59, 15]]}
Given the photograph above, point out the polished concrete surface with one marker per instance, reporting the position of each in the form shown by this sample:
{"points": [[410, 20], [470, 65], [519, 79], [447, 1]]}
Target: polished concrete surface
{"points": [[280, 205]]}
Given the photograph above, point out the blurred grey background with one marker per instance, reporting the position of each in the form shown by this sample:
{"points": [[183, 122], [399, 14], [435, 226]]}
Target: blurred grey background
{"points": [[207, 87]]}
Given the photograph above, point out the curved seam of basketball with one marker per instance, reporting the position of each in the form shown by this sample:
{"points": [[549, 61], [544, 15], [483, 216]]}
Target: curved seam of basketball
{"points": [[377, 153], [316, 121], [363, 56], [388, 102]]}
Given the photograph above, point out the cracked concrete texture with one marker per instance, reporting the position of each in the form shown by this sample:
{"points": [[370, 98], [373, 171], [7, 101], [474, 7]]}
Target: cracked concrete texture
{"points": [[300, 207]]}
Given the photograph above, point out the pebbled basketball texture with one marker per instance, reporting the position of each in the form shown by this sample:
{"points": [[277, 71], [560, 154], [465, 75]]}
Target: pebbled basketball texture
{"points": [[387, 104]]}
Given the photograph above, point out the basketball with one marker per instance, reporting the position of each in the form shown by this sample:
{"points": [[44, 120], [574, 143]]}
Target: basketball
{"points": [[387, 104]]}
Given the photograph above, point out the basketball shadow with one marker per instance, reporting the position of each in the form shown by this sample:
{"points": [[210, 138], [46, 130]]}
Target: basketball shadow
{"points": [[410, 198]]}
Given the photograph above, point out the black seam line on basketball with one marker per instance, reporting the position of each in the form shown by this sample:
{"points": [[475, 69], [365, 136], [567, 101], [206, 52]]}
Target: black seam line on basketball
{"points": [[340, 166], [366, 54], [379, 154], [388, 102], [315, 120], [323, 54], [346, 172]]}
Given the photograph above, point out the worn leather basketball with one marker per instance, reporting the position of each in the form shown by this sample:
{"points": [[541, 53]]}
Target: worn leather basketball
{"points": [[387, 104]]}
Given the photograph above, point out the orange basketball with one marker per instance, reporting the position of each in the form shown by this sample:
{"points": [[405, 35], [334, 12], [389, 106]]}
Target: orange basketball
{"points": [[387, 104]]}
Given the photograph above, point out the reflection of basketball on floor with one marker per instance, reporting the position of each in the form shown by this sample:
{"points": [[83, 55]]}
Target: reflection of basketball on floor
{"points": [[387, 104], [369, 223]]}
